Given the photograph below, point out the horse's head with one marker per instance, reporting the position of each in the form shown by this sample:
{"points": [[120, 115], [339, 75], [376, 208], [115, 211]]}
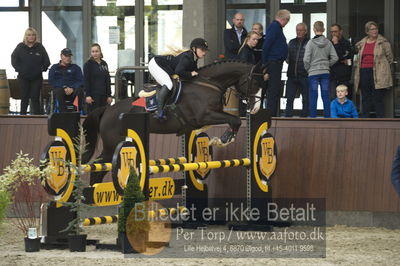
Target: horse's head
{"points": [[247, 78], [250, 81]]}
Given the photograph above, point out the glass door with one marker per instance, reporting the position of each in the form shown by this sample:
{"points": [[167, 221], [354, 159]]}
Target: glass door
{"points": [[113, 27], [308, 12], [62, 27], [352, 15], [132, 32]]}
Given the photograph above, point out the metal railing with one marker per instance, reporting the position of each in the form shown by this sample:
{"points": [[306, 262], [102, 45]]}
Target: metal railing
{"points": [[118, 79]]}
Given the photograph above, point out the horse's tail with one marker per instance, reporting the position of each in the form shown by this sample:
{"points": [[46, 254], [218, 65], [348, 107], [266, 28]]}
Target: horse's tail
{"points": [[91, 126]]}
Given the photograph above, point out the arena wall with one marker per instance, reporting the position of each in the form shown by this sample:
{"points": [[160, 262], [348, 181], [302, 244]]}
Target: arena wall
{"points": [[348, 162]]}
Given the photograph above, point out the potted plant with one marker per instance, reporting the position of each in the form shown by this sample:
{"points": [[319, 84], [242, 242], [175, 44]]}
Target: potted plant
{"points": [[127, 225], [77, 240], [21, 182]]}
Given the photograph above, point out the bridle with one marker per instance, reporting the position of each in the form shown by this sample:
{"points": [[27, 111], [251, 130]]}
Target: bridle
{"points": [[249, 79], [242, 96]]}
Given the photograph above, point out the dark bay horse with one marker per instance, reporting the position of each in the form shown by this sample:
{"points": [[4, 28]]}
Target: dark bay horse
{"points": [[200, 104]]}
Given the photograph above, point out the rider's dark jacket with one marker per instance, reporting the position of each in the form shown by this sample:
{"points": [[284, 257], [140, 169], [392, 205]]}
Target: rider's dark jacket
{"points": [[182, 64]]}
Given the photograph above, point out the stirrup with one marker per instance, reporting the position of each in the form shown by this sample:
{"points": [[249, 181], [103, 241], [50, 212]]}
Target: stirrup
{"points": [[160, 115]]}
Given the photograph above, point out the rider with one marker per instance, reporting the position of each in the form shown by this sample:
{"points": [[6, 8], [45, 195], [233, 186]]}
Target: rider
{"points": [[183, 64]]}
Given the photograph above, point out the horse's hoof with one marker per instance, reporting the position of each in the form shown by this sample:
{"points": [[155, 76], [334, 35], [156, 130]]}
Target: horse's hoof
{"points": [[227, 137]]}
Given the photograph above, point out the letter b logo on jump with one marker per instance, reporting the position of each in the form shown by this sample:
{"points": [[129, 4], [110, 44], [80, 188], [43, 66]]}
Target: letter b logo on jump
{"points": [[57, 157]]}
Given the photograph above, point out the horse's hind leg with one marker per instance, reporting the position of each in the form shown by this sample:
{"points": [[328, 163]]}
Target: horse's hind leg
{"points": [[97, 177]]}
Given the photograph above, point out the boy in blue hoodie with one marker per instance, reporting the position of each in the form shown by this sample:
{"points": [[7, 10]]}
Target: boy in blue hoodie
{"points": [[341, 107]]}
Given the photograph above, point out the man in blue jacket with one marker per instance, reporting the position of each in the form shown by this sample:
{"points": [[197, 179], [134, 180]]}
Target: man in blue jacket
{"points": [[67, 79], [275, 50]]}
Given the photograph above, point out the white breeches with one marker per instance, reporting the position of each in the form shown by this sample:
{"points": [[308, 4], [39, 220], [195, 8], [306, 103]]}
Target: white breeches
{"points": [[159, 74]]}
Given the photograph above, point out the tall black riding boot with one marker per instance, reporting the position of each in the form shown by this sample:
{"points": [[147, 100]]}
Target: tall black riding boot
{"points": [[161, 99]]}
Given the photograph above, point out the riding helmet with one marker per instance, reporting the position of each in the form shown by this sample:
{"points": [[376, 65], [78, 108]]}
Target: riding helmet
{"points": [[199, 43]]}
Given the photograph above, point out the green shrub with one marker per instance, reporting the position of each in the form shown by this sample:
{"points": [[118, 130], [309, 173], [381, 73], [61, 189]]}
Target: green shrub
{"points": [[4, 202], [132, 195], [21, 181], [77, 204]]}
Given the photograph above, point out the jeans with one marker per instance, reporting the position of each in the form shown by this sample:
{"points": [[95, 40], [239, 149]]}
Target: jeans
{"points": [[323, 81], [291, 88], [30, 89], [371, 98], [274, 69]]}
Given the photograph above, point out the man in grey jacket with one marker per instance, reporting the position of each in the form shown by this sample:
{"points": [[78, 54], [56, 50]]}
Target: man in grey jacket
{"points": [[319, 56]]}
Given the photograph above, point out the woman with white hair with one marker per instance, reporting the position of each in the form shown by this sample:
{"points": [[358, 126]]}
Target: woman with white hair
{"points": [[373, 73], [30, 59]]}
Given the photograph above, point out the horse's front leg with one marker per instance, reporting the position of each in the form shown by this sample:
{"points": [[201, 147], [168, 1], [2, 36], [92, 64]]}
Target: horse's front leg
{"points": [[217, 118]]}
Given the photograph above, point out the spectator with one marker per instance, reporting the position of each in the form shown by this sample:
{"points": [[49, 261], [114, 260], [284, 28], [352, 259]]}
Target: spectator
{"points": [[319, 56], [341, 70], [258, 27], [395, 176], [274, 52], [373, 73], [246, 51], [97, 80], [30, 59], [341, 107], [234, 37], [67, 80], [297, 75]]}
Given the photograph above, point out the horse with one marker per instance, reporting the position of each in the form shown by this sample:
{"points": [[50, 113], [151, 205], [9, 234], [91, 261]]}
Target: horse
{"points": [[200, 105]]}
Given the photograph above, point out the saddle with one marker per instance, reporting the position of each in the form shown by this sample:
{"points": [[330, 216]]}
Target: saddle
{"points": [[149, 94]]}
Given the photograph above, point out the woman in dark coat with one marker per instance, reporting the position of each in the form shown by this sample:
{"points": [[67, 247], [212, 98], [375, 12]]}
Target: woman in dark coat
{"points": [[30, 59], [97, 80], [246, 52], [258, 27]]}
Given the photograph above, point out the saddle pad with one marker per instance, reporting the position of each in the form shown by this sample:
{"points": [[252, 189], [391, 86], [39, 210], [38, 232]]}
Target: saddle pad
{"points": [[139, 102]]}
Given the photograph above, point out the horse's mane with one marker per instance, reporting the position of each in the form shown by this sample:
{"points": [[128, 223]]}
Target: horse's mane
{"points": [[223, 62], [224, 68]]}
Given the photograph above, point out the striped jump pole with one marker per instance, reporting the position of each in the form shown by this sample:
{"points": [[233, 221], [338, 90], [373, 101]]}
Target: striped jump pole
{"points": [[100, 167], [100, 220], [199, 165], [167, 161], [114, 218], [96, 167]]}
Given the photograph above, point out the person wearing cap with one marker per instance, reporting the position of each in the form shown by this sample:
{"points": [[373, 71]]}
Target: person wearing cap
{"points": [[30, 59], [66, 78], [183, 64]]}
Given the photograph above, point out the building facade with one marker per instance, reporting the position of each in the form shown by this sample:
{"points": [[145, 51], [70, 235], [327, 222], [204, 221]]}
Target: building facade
{"points": [[131, 31]]}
